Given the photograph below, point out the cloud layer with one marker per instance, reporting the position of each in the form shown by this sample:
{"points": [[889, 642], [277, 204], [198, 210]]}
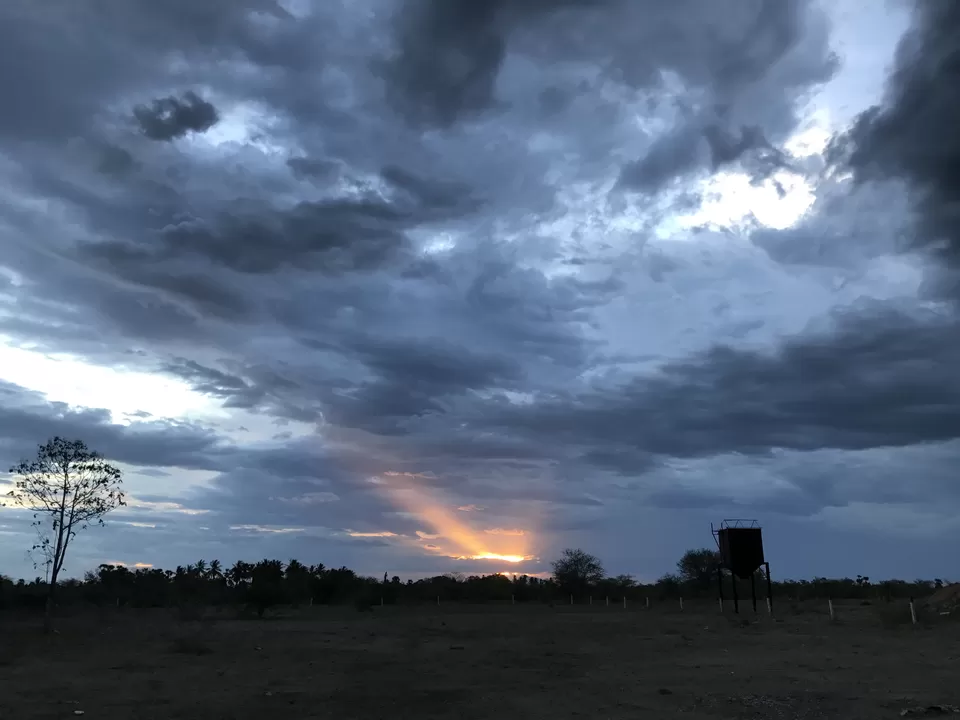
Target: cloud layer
{"points": [[435, 279]]}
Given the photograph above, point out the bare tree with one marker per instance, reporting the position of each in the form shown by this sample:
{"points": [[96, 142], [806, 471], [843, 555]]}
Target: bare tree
{"points": [[68, 487]]}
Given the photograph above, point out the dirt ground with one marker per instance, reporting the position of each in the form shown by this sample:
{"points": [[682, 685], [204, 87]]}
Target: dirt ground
{"points": [[479, 662]]}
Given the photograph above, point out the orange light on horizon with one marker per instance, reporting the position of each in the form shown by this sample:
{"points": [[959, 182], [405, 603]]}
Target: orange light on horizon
{"points": [[495, 556], [509, 546]]}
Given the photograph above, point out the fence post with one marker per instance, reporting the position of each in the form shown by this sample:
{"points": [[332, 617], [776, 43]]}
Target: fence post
{"points": [[681, 604], [624, 602], [913, 612], [830, 607], [646, 602], [766, 566], [438, 599], [608, 601], [720, 588]]}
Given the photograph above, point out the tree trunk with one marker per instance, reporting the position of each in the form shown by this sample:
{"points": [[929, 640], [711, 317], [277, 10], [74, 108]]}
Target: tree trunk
{"points": [[48, 607], [51, 596]]}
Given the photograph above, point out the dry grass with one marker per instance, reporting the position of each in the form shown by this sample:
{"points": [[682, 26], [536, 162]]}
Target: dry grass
{"points": [[474, 662]]}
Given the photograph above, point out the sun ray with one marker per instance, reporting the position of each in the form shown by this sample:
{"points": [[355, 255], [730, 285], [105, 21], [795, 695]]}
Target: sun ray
{"points": [[448, 529]]}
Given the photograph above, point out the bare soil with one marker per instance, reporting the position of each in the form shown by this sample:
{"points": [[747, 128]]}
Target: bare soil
{"points": [[481, 662]]}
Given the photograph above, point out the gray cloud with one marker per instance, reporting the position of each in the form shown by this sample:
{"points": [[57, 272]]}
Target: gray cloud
{"points": [[172, 117], [860, 385], [910, 136], [388, 229], [685, 150]]}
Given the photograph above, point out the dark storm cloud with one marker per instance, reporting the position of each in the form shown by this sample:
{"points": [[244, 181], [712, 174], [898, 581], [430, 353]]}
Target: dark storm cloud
{"points": [[431, 193], [172, 117], [96, 54], [670, 156], [892, 373], [770, 50], [450, 54], [704, 44], [383, 279], [361, 360], [449, 57], [213, 382], [878, 379], [912, 135], [174, 210], [686, 149], [331, 236], [411, 377]]}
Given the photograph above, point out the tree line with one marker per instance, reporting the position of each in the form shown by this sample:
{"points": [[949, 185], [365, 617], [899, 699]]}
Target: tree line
{"points": [[69, 487], [270, 583]]}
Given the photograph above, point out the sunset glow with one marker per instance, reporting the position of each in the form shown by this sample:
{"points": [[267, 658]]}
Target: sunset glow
{"points": [[495, 556], [448, 535]]}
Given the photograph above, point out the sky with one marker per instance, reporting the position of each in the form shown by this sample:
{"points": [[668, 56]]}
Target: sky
{"points": [[431, 286]]}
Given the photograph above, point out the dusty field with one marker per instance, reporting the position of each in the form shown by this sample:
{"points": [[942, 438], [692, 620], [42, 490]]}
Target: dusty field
{"points": [[474, 662]]}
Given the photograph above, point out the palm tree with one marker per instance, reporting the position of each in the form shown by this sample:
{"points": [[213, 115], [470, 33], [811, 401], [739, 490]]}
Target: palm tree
{"points": [[240, 573], [295, 568]]}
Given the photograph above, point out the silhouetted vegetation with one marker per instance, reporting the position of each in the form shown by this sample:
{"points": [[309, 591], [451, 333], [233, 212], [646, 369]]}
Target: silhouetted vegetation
{"points": [[68, 486], [260, 586], [577, 571]]}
